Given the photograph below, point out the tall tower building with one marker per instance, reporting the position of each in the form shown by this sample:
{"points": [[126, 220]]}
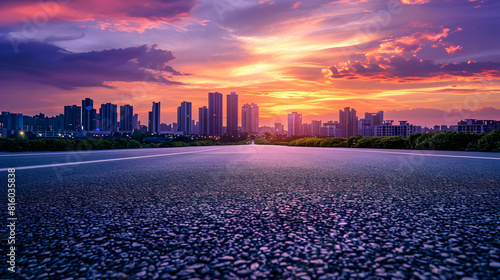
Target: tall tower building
{"points": [[126, 118], [89, 115], [250, 118], [72, 118], [348, 122], [136, 124], [184, 118], [367, 125], [108, 115], [294, 124], [203, 120], [316, 126], [154, 118], [214, 113], [232, 114]]}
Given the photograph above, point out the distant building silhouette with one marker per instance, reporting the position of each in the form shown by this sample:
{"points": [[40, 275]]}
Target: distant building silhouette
{"points": [[278, 128], [126, 118], [184, 118], [306, 129], [315, 127], [329, 129], [203, 120], [72, 118], [232, 114], [348, 123], [108, 117], [294, 124], [403, 129], [136, 124], [366, 126], [477, 126], [11, 123], [154, 118], [214, 113], [250, 118], [89, 115]]}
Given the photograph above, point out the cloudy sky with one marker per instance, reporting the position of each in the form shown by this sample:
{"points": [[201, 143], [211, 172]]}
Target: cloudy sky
{"points": [[426, 61]]}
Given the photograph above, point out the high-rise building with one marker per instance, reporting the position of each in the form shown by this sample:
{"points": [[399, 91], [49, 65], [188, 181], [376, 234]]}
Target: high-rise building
{"points": [[154, 118], [203, 120], [126, 118], [315, 127], [214, 113], [56, 123], [72, 118], [294, 124], [328, 129], [136, 124], [11, 123], [367, 125], [108, 117], [89, 118], [278, 128], [41, 122], [184, 118], [232, 114], [348, 122], [250, 118], [307, 129]]}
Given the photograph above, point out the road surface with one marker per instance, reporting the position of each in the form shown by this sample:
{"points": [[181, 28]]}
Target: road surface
{"points": [[256, 212]]}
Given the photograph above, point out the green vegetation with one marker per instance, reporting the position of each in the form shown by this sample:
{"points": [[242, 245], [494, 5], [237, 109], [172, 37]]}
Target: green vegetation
{"points": [[54, 144], [453, 141], [319, 142]]}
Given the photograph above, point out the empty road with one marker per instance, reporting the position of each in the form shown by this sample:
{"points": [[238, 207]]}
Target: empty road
{"points": [[256, 212]]}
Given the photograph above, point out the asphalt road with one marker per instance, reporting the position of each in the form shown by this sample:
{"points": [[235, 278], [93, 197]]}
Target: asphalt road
{"points": [[256, 212]]}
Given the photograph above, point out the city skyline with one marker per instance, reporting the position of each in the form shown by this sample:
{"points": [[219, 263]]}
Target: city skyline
{"points": [[348, 124], [404, 57]]}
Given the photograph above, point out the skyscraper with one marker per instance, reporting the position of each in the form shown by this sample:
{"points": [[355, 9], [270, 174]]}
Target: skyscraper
{"points": [[250, 118], [294, 124], [12, 122], [89, 117], [367, 125], [184, 118], [126, 118], [136, 124], [348, 122], [108, 117], [316, 126], [214, 113], [232, 114], [72, 118], [203, 120], [278, 128], [154, 118]]}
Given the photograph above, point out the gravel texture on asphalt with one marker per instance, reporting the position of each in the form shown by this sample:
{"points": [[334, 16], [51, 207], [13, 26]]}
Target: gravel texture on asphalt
{"points": [[261, 212]]}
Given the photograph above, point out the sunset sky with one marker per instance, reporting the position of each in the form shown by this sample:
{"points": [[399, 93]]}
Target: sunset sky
{"points": [[414, 59]]}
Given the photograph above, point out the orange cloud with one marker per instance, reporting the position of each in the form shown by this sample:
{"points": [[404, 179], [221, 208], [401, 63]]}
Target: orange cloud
{"points": [[415, 2], [412, 43], [453, 49]]}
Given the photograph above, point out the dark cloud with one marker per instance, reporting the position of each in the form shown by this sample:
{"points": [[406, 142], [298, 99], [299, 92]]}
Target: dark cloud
{"points": [[44, 63], [401, 68]]}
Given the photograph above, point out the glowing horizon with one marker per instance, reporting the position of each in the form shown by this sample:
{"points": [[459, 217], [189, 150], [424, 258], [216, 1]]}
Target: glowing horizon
{"points": [[314, 57]]}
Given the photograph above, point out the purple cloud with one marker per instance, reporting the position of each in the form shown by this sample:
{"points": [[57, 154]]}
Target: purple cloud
{"points": [[400, 68], [51, 65]]}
